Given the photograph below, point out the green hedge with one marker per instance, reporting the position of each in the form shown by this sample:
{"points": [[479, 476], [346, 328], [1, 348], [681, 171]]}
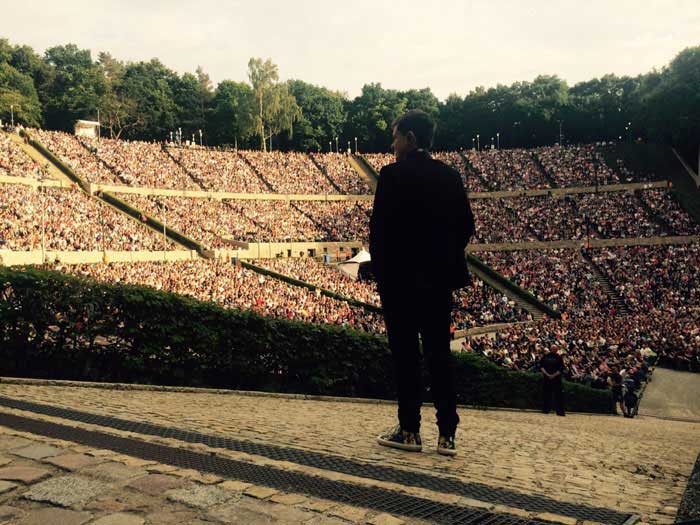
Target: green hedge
{"points": [[54, 325]]}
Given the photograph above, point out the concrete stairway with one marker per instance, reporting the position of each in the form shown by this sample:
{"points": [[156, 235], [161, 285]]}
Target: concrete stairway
{"points": [[620, 305], [364, 170]]}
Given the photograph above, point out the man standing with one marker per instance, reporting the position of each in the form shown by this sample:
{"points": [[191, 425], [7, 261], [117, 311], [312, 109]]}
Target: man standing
{"points": [[552, 367], [420, 226]]}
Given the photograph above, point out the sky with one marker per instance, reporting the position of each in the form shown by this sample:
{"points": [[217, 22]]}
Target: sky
{"points": [[451, 46]]}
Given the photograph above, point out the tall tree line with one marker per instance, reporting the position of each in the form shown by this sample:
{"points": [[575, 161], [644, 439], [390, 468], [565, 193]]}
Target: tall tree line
{"points": [[147, 100]]}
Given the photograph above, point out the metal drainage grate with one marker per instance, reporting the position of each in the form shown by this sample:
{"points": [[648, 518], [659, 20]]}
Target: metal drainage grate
{"points": [[374, 498], [478, 491]]}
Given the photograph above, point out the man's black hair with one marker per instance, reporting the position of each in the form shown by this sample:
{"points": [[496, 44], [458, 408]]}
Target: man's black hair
{"points": [[420, 123]]}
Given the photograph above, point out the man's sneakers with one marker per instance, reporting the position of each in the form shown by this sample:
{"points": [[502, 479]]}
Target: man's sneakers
{"points": [[410, 441], [401, 439], [446, 446]]}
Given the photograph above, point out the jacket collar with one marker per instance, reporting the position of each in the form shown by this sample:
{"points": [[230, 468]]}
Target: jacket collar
{"points": [[418, 153]]}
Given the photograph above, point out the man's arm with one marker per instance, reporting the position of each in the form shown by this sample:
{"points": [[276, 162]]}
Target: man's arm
{"points": [[377, 227], [465, 218]]}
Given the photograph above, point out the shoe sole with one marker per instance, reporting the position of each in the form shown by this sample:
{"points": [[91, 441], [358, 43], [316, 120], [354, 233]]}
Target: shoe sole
{"points": [[399, 446], [446, 452]]}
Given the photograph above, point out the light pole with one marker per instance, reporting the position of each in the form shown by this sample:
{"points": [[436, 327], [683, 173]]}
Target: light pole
{"points": [[628, 129], [491, 142], [330, 146], [349, 150], [478, 144], [179, 136], [43, 225], [12, 114], [473, 143], [99, 126], [200, 138], [336, 144], [355, 145], [171, 137], [560, 123], [498, 140]]}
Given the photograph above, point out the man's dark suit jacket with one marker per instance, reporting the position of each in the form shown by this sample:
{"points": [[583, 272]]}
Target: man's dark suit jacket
{"points": [[420, 226]]}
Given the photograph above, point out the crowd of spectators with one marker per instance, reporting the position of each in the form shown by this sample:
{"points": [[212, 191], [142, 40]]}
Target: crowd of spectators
{"points": [[667, 208], [68, 148], [476, 305], [550, 218], [340, 171], [664, 278], [326, 276], [291, 172], [508, 169], [497, 221], [379, 160], [341, 220], [214, 222], [472, 182], [561, 279], [141, 163], [576, 166], [70, 221], [235, 287], [14, 162], [617, 216], [479, 304], [219, 170]]}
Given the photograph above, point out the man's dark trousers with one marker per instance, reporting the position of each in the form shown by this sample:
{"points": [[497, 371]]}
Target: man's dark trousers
{"points": [[408, 313], [552, 394]]}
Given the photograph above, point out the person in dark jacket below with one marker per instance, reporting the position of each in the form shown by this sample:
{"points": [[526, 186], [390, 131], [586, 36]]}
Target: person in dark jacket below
{"points": [[420, 226], [552, 368]]}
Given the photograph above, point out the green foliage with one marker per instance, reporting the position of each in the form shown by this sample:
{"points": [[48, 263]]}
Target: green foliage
{"points": [[322, 117], [75, 87], [18, 97], [232, 117], [276, 108], [59, 326], [150, 85], [146, 100]]}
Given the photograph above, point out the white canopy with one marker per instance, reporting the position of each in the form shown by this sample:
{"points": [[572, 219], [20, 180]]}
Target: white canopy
{"points": [[352, 266]]}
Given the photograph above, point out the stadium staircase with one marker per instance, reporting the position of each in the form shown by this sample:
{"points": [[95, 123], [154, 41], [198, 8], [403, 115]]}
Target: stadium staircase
{"points": [[260, 175], [544, 171], [471, 170], [324, 172], [600, 276], [191, 175], [365, 170]]}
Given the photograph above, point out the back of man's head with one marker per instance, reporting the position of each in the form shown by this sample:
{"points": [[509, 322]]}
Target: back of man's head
{"points": [[418, 122]]}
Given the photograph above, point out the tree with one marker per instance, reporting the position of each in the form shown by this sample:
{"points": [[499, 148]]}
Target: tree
{"points": [[233, 113], [277, 110], [18, 97], [149, 86], [322, 116], [371, 114], [75, 88]]}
